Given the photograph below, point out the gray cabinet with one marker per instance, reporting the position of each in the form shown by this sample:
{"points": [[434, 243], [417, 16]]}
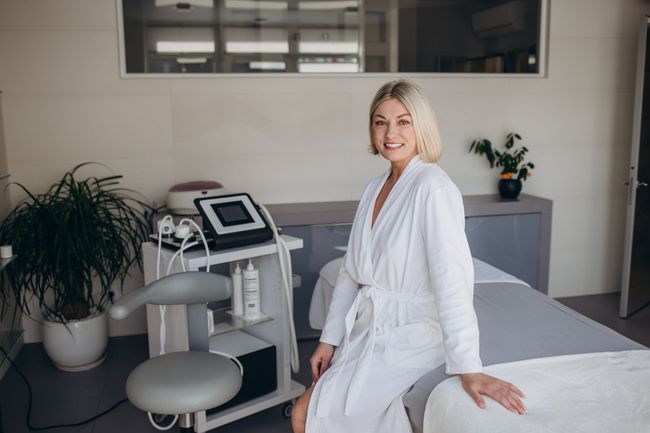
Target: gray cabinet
{"points": [[513, 235]]}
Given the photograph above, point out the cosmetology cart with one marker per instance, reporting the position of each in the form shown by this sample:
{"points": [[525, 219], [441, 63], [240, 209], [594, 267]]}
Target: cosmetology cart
{"points": [[272, 326]]}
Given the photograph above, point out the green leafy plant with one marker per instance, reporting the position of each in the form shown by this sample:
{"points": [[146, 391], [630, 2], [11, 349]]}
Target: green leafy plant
{"points": [[78, 232], [513, 165]]}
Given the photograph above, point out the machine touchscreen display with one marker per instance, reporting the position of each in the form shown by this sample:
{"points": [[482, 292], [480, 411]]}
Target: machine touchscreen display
{"points": [[231, 214]]}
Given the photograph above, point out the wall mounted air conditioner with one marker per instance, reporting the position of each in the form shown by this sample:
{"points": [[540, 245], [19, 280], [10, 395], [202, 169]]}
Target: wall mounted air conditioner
{"points": [[500, 20]]}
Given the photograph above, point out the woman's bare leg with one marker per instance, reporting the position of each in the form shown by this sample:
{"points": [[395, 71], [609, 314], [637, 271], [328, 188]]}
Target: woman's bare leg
{"points": [[299, 411]]}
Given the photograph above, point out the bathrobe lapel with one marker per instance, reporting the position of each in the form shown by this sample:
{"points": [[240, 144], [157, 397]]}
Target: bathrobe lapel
{"points": [[364, 255]]}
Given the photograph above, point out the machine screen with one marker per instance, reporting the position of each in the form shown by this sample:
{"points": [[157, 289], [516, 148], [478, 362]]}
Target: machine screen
{"points": [[232, 214]]}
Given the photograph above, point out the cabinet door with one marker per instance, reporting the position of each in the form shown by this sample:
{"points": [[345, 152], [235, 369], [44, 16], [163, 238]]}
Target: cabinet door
{"points": [[510, 243], [635, 287], [322, 243]]}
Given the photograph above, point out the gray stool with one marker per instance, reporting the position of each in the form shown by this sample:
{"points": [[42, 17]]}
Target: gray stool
{"points": [[182, 383]]}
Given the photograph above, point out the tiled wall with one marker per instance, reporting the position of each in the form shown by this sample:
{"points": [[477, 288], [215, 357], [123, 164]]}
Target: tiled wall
{"points": [[304, 138]]}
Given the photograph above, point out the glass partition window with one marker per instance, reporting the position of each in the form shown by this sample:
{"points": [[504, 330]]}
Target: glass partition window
{"points": [[342, 36]]}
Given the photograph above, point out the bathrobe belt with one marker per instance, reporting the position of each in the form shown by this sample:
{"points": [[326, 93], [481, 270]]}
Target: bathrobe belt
{"points": [[377, 298]]}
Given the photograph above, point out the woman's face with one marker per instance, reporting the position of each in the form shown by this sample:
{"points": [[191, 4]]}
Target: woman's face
{"points": [[392, 131]]}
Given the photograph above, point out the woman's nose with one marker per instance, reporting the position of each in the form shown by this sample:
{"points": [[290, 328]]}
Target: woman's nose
{"points": [[391, 131]]}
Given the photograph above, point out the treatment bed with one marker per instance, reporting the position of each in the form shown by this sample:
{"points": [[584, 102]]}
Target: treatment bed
{"points": [[515, 321]]}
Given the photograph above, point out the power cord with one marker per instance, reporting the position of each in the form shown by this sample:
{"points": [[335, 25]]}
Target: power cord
{"points": [[29, 406], [284, 259], [166, 226]]}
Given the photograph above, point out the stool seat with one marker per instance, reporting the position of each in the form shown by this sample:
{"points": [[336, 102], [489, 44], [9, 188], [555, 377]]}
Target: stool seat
{"points": [[183, 382]]}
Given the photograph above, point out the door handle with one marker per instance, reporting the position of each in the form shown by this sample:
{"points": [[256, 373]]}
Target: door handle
{"points": [[638, 184], [629, 191]]}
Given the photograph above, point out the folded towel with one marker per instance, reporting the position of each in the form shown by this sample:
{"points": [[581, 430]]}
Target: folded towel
{"points": [[595, 392]]}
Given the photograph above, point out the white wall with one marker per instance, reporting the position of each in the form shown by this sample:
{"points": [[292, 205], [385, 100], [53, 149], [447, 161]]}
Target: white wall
{"points": [[304, 138]]}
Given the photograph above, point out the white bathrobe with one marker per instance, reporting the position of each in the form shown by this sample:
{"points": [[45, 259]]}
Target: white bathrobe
{"points": [[402, 304]]}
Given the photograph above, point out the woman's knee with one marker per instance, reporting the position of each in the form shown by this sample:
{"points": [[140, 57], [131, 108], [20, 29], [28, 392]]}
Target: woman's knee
{"points": [[299, 411]]}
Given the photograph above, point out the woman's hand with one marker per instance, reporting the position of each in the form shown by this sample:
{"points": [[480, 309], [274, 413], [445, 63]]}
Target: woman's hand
{"points": [[504, 393], [320, 360]]}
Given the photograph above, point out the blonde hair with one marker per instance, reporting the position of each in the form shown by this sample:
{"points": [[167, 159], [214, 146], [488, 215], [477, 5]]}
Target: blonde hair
{"points": [[428, 142]]}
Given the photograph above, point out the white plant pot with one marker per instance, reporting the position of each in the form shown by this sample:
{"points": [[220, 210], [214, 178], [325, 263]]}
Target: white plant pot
{"points": [[79, 346]]}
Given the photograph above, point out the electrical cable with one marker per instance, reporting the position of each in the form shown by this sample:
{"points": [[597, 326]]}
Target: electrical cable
{"points": [[29, 405], [163, 308], [184, 244], [230, 357], [157, 426], [205, 242], [167, 218], [284, 259], [163, 329]]}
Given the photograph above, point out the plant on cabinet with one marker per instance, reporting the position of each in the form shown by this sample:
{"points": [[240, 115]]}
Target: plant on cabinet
{"points": [[514, 170]]}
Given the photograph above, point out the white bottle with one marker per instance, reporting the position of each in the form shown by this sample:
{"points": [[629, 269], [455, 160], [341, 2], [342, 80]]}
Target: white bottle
{"points": [[237, 294], [251, 282]]}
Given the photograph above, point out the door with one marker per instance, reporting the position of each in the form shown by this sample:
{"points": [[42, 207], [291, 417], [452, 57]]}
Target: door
{"points": [[635, 289]]}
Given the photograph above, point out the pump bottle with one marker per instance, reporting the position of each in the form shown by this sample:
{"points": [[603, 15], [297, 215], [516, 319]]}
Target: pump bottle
{"points": [[251, 283], [237, 294]]}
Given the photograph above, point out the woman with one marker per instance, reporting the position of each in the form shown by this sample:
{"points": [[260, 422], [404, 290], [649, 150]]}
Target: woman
{"points": [[402, 304]]}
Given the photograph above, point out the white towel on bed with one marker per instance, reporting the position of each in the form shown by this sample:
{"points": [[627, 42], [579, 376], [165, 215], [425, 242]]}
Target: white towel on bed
{"points": [[596, 392]]}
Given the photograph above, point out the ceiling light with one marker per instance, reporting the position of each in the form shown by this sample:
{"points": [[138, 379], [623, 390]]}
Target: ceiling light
{"points": [[176, 3], [254, 4], [185, 47], [257, 47], [324, 5], [328, 67], [191, 60], [329, 47], [256, 40], [267, 66]]}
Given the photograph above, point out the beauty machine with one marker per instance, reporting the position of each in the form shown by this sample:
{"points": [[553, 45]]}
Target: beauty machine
{"points": [[230, 222], [233, 220]]}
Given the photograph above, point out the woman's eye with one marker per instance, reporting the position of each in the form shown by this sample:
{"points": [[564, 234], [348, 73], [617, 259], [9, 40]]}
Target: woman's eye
{"points": [[404, 122], [379, 122]]}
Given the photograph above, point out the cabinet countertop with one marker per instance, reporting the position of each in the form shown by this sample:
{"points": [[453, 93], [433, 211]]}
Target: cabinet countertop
{"points": [[342, 212]]}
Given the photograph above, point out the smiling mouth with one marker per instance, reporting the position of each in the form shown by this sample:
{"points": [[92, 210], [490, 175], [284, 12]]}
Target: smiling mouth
{"points": [[393, 145]]}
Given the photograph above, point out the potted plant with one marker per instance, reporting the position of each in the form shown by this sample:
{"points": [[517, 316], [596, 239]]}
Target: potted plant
{"points": [[513, 168], [71, 244]]}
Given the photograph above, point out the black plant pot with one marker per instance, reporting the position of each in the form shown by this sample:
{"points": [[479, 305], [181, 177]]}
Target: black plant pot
{"points": [[509, 188]]}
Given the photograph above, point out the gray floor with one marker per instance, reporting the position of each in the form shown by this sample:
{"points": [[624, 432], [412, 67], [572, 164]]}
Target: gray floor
{"points": [[62, 398], [68, 397], [604, 309]]}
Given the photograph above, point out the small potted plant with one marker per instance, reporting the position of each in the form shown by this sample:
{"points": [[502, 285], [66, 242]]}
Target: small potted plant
{"points": [[71, 244], [513, 168]]}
